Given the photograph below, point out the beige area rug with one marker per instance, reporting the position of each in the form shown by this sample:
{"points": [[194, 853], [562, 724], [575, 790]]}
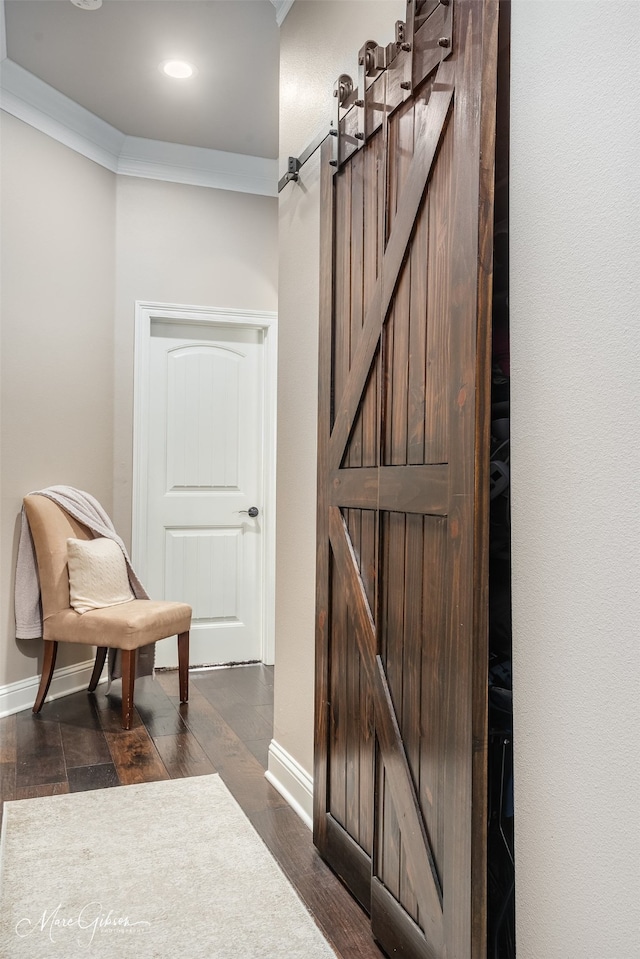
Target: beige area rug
{"points": [[155, 871]]}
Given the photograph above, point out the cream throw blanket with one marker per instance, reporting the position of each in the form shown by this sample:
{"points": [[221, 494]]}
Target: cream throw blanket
{"points": [[86, 510]]}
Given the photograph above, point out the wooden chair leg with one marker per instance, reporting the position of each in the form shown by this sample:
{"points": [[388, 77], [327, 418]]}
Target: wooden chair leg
{"points": [[183, 666], [101, 655], [128, 682], [49, 661]]}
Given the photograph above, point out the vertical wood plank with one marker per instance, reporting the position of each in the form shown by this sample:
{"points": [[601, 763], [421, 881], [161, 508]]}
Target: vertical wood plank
{"points": [[405, 142], [373, 167], [368, 537], [410, 719], [354, 457], [390, 198], [323, 623], [440, 242], [416, 400], [384, 866], [373, 172], [393, 644], [338, 707], [397, 397], [433, 627], [396, 416], [465, 915], [389, 839], [391, 177], [369, 547], [393, 624], [367, 769], [342, 266], [354, 525], [353, 710], [353, 736], [387, 389]]}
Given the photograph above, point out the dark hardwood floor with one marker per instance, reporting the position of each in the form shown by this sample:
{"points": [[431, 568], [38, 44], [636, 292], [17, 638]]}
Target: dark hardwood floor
{"points": [[77, 743]]}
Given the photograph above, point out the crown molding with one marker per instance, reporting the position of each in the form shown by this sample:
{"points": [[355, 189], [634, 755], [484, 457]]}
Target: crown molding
{"points": [[30, 99], [197, 166], [33, 101], [282, 9]]}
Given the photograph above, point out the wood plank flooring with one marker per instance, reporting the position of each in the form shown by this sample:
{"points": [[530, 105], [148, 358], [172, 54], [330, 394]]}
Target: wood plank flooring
{"points": [[77, 743]]}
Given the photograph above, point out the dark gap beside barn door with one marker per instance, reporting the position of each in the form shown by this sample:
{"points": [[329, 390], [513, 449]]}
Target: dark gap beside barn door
{"points": [[500, 848]]}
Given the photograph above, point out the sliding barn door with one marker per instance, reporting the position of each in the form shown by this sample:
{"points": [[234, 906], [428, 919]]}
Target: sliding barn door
{"points": [[401, 706]]}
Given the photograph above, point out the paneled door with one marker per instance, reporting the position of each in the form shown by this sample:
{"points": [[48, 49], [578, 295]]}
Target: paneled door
{"points": [[205, 482], [402, 649]]}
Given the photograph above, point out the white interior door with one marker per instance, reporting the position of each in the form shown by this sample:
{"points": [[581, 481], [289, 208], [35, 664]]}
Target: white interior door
{"points": [[205, 472]]}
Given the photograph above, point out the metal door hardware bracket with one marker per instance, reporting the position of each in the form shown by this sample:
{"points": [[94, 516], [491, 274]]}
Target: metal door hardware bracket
{"points": [[421, 42], [342, 90], [295, 164], [372, 60]]}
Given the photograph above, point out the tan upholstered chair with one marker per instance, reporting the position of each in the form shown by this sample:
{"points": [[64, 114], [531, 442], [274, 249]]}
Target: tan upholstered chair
{"points": [[126, 627]]}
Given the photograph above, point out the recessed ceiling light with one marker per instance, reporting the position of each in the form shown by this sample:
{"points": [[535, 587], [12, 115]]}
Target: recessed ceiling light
{"points": [[87, 4], [178, 69]]}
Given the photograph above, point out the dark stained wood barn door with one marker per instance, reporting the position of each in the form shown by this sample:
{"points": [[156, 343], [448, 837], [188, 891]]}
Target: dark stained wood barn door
{"points": [[401, 700]]}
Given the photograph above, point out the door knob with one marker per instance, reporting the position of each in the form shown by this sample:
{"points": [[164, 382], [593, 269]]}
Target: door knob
{"points": [[252, 511]]}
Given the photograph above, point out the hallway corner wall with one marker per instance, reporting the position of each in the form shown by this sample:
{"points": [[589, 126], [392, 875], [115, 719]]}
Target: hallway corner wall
{"points": [[58, 255]]}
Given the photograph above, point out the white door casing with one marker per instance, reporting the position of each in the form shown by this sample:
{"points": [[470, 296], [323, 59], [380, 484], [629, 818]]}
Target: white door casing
{"points": [[204, 442]]}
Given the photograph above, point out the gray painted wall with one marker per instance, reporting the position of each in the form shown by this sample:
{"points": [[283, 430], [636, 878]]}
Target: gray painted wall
{"points": [[79, 246], [58, 257]]}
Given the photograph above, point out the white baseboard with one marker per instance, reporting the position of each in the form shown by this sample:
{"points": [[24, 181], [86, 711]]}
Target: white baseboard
{"points": [[15, 697], [292, 782]]}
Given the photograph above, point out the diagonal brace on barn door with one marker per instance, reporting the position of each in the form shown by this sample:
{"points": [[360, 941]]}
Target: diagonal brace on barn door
{"points": [[427, 143], [420, 859]]}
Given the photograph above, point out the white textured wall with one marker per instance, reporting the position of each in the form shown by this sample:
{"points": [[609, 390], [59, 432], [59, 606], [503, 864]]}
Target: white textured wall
{"points": [[319, 40], [58, 234], [575, 315], [187, 245]]}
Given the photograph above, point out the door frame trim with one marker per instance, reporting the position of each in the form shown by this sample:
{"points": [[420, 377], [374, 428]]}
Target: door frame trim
{"points": [[267, 322]]}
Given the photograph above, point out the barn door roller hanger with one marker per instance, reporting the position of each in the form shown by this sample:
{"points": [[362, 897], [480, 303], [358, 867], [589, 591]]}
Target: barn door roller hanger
{"points": [[421, 42], [387, 76]]}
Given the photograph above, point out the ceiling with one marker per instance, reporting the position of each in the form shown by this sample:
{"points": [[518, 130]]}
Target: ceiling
{"points": [[107, 61]]}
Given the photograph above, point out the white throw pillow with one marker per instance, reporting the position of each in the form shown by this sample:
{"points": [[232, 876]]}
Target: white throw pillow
{"points": [[97, 574]]}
